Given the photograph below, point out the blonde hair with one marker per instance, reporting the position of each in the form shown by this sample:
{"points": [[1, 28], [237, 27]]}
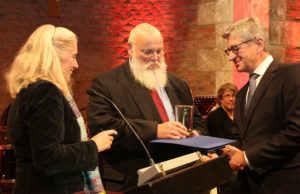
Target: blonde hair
{"points": [[248, 28], [40, 58]]}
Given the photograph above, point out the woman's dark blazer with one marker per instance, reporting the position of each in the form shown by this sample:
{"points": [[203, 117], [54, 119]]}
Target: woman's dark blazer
{"points": [[46, 139]]}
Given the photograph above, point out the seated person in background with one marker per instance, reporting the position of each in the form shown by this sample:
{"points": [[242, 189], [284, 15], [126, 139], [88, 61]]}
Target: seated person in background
{"points": [[219, 121], [146, 93], [219, 124], [45, 127]]}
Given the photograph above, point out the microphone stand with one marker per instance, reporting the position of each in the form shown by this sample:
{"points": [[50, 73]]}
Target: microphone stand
{"points": [[93, 93]]}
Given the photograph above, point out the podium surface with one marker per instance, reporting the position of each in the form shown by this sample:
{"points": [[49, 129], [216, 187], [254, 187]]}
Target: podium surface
{"points": [[196, 179]]}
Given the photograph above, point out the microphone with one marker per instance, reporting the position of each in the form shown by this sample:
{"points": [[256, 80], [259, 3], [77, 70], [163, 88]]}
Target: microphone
{"points": [[94, 93]]}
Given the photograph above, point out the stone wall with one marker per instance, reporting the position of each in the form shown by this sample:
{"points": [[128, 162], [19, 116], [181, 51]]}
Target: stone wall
{"points": [[213, 67], [284, 30], [191, 28]]}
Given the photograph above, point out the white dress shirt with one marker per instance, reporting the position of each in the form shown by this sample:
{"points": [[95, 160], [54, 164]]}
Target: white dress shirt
{"points": [[260, 70]]}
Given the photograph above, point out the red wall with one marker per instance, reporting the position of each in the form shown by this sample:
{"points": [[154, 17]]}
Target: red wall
{"points": [[103, 28], [289, 36], [292, 38], [243, 9]]}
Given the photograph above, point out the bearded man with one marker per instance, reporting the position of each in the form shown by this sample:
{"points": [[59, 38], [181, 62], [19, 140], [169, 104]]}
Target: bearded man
{"points": [[146, 93]]}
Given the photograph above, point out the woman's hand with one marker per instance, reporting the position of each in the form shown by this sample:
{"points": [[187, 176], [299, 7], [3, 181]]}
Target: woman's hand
{"points": [[104, 139]]}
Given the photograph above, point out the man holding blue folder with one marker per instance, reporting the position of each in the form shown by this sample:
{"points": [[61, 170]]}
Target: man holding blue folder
{"points": [[267, 114]]}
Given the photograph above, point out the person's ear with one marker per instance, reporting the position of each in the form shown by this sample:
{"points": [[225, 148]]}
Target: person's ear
{"points": [[260, 44], [130, 48]]}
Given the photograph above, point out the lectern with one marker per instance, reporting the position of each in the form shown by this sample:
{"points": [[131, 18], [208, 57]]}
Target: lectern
{"points": [[196, 179]]}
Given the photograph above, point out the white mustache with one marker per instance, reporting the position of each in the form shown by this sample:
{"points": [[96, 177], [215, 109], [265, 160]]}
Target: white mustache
{"points": [[153, 63]]}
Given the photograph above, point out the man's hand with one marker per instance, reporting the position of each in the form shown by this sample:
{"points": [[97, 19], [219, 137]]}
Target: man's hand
{"points": [[236, 157], [194, 133], [208, 157], [171, 130]]}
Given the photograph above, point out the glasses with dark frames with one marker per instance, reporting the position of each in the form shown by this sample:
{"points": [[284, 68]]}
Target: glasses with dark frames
{"points": [[236, 48]]}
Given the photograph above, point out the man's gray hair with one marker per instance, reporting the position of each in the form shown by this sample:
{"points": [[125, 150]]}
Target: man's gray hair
{"points": [[248, 28]]}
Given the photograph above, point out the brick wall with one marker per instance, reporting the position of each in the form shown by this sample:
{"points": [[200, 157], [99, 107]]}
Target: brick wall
{"points": [[19, 18], [213, 68], [192, 30], [103, 28]]}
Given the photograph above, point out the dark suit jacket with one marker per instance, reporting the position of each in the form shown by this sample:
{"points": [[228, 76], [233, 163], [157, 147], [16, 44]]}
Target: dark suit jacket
{"points": [[46, 139], [270, 134], [127, 155], [219, 124]]}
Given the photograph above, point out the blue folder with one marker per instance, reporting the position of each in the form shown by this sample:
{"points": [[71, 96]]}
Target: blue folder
{"points": [[199, 142]]}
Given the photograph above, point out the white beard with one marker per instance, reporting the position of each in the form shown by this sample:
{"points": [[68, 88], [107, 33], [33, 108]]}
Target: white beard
{"points": [[150, 79]]}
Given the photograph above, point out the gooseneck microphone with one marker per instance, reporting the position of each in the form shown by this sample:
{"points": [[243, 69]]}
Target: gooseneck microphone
{"points": [[94, 93]]}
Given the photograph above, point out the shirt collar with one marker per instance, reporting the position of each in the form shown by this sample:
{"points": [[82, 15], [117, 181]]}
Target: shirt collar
{"points": [[261, 69]]}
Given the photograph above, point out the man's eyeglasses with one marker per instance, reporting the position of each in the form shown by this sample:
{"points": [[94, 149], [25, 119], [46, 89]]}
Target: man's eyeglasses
{"points": [[150, 52], [236, 48], [229, 96]]}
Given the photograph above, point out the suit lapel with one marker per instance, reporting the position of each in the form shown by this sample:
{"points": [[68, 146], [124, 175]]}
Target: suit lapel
{"points": [[239, 112], [260, 89], [140, 95]]}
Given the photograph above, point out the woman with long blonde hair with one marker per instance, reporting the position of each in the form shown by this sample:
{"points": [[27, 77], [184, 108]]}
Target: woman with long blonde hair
{"points": [[45, 127]]}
